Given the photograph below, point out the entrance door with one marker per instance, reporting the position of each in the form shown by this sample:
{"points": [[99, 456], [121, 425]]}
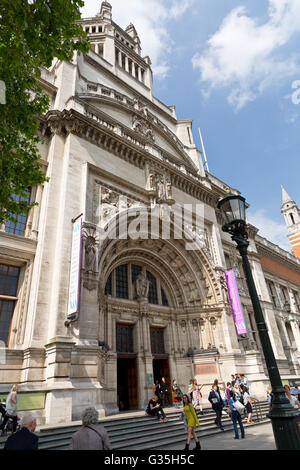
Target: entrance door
{"points": [[161, 369], [127, 383]]}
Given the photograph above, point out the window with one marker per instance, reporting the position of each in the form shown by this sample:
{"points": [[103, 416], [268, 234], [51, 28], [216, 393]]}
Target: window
{"points": [[122, 281], [272, 293], [124, 338], [93, 29], [117, 284], [292, 218], [164, 298], [157, 340], [9, 276], [108, 285], [18, 227], [87, 29], [100, 29], [152, 296], [297, 301]]}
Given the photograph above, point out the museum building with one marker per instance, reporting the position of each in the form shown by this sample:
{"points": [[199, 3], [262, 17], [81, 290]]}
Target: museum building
{"points": [[149, 305]]}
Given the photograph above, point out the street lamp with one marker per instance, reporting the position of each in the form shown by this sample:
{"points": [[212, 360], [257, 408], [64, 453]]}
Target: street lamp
{"points": [[285, 419]]}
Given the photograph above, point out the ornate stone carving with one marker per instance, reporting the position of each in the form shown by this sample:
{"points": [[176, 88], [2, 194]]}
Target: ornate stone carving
{"points": [[141, 126]]}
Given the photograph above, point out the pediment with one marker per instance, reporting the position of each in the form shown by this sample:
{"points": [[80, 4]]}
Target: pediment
{"points": [[135, 117]]}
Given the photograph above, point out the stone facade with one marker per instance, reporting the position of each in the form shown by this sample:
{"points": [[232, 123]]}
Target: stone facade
{"points": [[110, 150]]}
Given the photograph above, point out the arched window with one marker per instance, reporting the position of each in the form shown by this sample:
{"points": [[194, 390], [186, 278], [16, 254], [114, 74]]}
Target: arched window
{"points": [[118, 284], [292, 218]]}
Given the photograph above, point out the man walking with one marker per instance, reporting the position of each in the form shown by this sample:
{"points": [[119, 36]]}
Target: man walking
{"points": [[25, 439], [217, 405]]}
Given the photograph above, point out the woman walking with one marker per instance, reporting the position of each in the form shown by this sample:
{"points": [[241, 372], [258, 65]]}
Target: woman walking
{"points": [[235, 416], [247, 404], [11, 409], [177, 394], [196, 395], [191, 422]]}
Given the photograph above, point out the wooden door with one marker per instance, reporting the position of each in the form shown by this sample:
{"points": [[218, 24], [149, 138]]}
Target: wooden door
{"points": [[132, 384]]}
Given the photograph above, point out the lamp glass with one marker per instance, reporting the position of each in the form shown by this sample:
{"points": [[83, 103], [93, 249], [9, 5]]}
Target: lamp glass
{"points": [[233, 208]]}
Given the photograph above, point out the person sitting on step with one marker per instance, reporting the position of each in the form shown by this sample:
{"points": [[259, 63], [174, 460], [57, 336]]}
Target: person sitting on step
{"points": [[155, 409]]}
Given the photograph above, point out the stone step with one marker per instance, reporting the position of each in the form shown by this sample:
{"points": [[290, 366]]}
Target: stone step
{"points": [[137, 431]]}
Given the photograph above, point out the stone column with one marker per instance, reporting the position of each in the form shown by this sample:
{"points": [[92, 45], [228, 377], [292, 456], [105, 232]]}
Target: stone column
{"points": [[120, 58], [126, 64], [133, 69], [58, 406], [139, 74]]}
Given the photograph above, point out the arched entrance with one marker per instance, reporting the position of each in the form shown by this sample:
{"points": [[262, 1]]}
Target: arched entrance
{"points": [[148, 323]]}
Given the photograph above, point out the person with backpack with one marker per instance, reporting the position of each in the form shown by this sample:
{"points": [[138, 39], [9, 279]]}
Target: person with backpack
{"points": [[235, 415]]}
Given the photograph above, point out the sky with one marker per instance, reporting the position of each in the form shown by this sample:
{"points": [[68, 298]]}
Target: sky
{"points": [[234, 68]]}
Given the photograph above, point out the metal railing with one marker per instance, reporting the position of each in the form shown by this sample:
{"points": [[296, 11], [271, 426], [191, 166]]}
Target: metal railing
{"points": [[257, 408]]}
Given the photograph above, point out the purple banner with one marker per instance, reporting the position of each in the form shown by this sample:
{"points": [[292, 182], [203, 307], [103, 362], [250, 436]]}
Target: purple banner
{"points": [[234, 298]]}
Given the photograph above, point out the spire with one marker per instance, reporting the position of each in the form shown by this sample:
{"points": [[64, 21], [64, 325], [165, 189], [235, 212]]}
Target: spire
{"points": [[285, 197]]}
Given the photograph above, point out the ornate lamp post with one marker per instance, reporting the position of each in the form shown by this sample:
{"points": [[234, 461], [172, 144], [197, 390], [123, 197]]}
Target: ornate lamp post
{"points": [[285, 419]]}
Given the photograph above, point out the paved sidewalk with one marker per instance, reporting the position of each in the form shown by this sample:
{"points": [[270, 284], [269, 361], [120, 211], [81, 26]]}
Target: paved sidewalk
{"points": [[256, 438]]}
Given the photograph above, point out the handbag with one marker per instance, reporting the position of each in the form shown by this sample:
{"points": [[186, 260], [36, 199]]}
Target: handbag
{"points": [[239, 407]]}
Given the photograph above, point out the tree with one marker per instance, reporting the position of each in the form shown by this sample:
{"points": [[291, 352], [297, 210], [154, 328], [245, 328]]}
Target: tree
{"points": [[32, 34]]}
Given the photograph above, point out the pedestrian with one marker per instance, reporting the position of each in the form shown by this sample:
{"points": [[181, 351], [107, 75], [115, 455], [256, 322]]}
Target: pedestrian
{"points": [[237, 392], [216, 382], [293, 400], [196, 395], [217, 405], [177, 394], [24, 439], [157, 391], [247, 404], [191, 422], [235, 416], [164, 391], [92, 436], [155, 409], [11, 409], [270, 397], [232, 380], [245, 381], [237, 378], [227, 391]]}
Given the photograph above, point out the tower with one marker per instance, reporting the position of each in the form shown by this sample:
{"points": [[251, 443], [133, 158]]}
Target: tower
{"points": [[291, 213]]}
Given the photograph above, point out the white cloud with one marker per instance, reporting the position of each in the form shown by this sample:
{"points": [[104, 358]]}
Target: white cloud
{"points": [[270, 229], [246, 56], [150, 18]]}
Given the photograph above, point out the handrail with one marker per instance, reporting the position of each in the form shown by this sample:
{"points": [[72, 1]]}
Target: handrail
{"points": [[257, 408]]}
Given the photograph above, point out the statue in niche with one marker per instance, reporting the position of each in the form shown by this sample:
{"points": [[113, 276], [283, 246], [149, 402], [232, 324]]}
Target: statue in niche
{"points": [[142, 286], [163, 187], [236, 270], [90, 253]]}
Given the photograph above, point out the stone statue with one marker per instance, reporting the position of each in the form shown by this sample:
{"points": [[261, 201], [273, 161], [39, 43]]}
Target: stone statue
{"points": [[142, 286], [90, 253]]}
